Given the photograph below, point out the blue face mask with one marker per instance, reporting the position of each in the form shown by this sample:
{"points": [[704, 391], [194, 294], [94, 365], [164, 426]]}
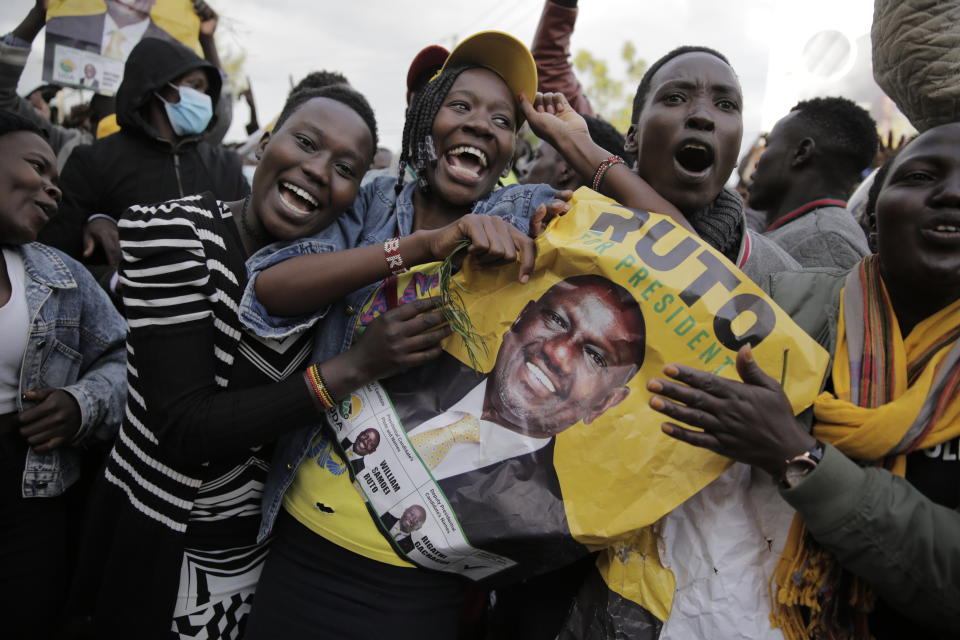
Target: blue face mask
{"points": [[192, 114]]}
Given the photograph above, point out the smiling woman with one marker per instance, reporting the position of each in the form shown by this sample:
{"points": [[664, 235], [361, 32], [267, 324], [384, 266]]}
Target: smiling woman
{"points": [[206, 398], [61, 385], [459, 138]]}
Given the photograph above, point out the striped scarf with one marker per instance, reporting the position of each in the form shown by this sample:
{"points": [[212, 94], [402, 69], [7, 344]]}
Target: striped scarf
{"points": [[892, 396]]}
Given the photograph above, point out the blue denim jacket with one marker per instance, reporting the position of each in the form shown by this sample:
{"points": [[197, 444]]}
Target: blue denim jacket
{"points": [[76, 343], [377, 215]]}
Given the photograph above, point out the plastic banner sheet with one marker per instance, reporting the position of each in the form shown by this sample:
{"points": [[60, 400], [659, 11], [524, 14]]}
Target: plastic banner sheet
{"points": [[549, 448], [87, 41]]}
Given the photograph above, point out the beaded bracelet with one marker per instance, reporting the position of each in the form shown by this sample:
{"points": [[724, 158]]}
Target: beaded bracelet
{"points": [[601, 171], [319, 386], [391, 251]]}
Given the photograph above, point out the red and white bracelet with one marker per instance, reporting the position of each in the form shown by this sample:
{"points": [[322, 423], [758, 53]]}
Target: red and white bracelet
{"points": [[601, 171], [391, 251]]}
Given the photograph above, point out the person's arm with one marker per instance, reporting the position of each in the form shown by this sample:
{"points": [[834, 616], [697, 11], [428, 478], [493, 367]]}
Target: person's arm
{"points": [[305, 283], [208, 27], [209, 21], [197, 421], [252, 124], [552, 118], [90, 406], [551, 52], [884, 530], [167, 296], [101, 388]]}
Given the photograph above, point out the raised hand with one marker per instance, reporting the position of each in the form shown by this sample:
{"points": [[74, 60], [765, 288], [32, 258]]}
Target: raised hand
{"points": [[552, 118], [208, 17]]}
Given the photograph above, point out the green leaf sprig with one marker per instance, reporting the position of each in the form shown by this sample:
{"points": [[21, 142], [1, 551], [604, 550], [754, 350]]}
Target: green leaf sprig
{"points": [[454, 309]]}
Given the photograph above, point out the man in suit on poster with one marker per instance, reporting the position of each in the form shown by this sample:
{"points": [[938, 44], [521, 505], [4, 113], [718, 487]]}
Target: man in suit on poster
{"points": [[401, 529], [363, 445], [112, 33], [488, 439]]}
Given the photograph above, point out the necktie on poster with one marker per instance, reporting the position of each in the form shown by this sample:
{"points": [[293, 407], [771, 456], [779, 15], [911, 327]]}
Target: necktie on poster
{"points": [[434, 445]]}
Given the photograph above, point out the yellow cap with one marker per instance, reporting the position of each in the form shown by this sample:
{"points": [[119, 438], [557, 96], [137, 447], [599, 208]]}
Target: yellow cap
{"points": [[501, 53]]}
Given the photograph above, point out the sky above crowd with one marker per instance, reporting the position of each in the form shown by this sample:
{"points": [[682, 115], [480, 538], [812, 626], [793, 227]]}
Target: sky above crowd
{"points": [[372, 43]]}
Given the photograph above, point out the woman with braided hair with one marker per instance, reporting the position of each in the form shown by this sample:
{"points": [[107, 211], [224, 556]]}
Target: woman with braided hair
{"points": [[179, 497], [332, 572]]}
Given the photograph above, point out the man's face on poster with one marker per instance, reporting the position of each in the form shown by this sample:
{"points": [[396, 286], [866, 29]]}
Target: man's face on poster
{"points": [[567, 357], [367, 442], [412, 518]]}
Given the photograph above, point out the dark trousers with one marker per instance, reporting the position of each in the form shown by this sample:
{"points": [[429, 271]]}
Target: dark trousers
{"points": [[33, 549], [312, 588]]}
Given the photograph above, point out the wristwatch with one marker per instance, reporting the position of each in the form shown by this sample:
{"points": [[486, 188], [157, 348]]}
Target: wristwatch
{"points": [[799, 466]]}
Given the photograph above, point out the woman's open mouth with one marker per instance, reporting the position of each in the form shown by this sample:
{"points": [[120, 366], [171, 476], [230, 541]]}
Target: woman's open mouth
{"points": [[296, 199], [694, 158], [466, 163]]}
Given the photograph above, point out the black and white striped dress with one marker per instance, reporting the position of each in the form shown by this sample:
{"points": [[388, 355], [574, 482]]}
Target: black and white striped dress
{"points": [[204, 400]]}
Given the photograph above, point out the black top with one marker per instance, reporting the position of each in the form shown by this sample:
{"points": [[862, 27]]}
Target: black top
{"points": [[188, 465]]}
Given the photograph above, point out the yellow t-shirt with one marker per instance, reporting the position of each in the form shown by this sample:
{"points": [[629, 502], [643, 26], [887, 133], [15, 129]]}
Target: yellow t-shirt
{"points": [[323, 499]]}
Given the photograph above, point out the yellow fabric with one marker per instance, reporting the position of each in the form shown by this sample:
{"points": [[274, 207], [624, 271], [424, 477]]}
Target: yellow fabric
{"points": [[866, 434], [322, 478], [434, 445], [633, 570], [176, 17], [57, 8], [107, 126]]}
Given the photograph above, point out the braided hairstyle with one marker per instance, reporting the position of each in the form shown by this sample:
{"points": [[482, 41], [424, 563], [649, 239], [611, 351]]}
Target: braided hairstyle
{"points": [[416, 149]]}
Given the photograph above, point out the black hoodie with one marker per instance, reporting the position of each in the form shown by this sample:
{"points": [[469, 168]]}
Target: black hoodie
{"points": [[134, 165]]}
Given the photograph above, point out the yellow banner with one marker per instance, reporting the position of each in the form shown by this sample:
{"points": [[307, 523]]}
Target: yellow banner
{"points": [[616, 294]]}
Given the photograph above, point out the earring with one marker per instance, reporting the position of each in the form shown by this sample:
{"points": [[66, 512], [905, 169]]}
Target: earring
{"points": [[506, 170]]}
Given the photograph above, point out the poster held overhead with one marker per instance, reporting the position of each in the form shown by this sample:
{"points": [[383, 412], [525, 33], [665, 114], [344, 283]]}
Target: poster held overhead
{"points": [[88, 41]]}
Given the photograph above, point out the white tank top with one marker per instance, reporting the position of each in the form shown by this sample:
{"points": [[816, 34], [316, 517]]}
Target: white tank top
{"points": [[15, 329]]}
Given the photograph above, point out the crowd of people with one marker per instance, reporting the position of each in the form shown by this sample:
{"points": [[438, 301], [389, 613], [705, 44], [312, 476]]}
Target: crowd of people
{"points": [[179, 316]]}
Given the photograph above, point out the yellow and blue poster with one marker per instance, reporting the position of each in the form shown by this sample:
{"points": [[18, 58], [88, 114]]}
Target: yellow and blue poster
{"points": [[543, 447]]}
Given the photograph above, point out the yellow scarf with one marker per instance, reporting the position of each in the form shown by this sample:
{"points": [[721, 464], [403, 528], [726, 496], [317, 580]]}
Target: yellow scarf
{"points": [[892, 396]]}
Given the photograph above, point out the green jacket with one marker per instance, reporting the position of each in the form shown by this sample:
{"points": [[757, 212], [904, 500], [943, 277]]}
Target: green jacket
{"points": [[878, 526]]}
